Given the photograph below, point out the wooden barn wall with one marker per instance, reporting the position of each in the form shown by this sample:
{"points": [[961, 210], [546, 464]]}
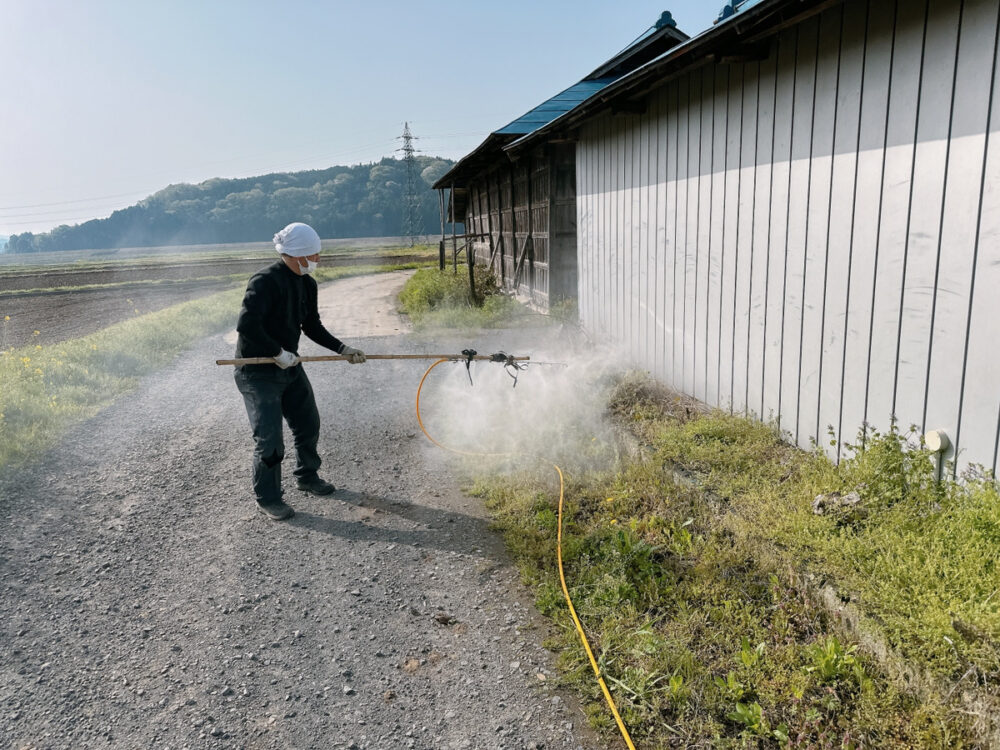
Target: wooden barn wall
{"points": [[813, 238], [509, 208]]}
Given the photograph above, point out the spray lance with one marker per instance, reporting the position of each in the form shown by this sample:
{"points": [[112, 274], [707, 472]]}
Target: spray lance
{"points": [[512, 365]]}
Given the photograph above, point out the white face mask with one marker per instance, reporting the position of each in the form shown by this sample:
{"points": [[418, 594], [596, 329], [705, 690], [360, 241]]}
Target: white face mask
{"points": [[311, 266]]}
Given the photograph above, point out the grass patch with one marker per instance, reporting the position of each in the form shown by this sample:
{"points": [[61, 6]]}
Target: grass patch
{"points": [[46, 389], [702, 632], [441, 299], [919, 557]]}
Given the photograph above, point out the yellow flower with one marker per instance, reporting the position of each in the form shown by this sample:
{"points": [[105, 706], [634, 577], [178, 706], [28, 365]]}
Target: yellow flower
{"points": [[614, 520], [35, 333], [38, 346], [25, 360], [6, 318], [94, 347], [37, 371], [609, 499]]}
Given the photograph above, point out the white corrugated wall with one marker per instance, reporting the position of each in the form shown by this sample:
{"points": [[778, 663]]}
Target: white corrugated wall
{"points": [[814, 238]]}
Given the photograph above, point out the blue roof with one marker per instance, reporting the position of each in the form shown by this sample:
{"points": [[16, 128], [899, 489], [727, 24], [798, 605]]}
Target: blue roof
{"points": [[733, 7], [559, 104]]}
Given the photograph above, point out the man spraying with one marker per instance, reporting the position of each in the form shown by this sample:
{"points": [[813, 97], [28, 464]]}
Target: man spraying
{"points": [[279, 304]]}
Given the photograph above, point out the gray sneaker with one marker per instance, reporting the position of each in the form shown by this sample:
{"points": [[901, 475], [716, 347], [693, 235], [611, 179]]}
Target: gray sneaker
{"points": [[276, 510]]}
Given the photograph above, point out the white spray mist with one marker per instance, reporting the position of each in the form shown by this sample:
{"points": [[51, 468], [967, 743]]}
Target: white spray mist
{"points": [[556, 412]]}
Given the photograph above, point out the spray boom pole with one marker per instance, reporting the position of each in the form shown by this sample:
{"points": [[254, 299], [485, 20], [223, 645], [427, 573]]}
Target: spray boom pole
{"points": [[468, 355]]}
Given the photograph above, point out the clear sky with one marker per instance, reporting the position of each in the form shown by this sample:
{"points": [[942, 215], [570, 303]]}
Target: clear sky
{"points": [[104, 102]]}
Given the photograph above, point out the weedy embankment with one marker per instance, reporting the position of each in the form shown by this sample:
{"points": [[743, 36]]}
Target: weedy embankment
{"points": [[441, 299], [727, 613]]}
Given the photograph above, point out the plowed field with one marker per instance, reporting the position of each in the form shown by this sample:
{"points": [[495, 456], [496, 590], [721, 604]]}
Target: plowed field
{"points": [[67, 303]]}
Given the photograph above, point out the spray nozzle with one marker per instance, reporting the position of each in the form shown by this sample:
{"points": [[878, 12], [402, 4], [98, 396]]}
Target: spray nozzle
{"points": [[470, 354], [510, 365]]}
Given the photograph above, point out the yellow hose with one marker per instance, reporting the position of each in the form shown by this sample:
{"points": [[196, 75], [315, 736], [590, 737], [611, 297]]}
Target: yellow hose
{"points": [[562, 576]]}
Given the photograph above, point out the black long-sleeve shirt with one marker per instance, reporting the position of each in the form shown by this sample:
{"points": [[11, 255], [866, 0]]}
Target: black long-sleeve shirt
{"points": [[277, 306]]}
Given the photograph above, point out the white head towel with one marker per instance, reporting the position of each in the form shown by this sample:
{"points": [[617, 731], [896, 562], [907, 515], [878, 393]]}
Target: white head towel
{"points": [[297, 240]]}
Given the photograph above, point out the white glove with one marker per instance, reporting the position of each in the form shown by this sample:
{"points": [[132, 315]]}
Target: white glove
{"points": [[284, 360], [354, 356]]}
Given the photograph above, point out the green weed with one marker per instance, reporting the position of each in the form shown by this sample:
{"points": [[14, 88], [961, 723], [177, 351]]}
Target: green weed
{"points": [[831, 661], [701, 633], [441, 299]]}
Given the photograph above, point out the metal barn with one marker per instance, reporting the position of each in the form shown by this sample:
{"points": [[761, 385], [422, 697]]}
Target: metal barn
{"points": [[520, 214], [795, 215]]}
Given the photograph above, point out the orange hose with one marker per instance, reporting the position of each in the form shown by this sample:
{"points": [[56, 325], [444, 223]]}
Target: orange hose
{"points": [[562, 576]]}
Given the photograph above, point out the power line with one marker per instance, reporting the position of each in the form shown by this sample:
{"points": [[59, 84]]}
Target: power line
{"points": [[66, 203], [45, 221], [62, 212]]}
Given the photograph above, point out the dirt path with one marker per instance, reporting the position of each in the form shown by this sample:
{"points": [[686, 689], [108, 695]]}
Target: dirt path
{"points": [[144, 602]]}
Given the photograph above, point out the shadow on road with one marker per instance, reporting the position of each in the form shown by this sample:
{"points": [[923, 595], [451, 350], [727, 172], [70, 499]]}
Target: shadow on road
{"points": [[445, 530]]}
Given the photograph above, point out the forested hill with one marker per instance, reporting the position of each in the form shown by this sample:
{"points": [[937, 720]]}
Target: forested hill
{"points": [[359, 201]]}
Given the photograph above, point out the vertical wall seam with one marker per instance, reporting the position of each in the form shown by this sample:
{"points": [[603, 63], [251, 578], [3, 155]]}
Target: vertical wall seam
{"points": [[788, 214], [829, 219], [805, 253], [697, 243], [597, 200], [673, 278], [975, 250], [909, 212], [878, 224], [653, 145], [609, 215], [753, 232], [609, 180], [687, 235], [628, 169], [620, 168], [770, 214], [628, 195], [944, 202], [646, 149], [600, 277], [592, 228], [634, 170], [854, 211], [711, 205], [736, 271], [653, 284], [722, 269]]}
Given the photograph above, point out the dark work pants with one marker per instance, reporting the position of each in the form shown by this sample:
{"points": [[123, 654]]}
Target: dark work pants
{"points": [[271, 394]]}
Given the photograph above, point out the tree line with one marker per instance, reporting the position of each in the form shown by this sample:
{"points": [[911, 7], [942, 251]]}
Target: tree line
{"points": [[365, 200]]}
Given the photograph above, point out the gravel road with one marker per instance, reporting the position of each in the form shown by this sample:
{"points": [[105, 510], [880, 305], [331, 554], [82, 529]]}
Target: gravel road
{"points": [[145, 604]]}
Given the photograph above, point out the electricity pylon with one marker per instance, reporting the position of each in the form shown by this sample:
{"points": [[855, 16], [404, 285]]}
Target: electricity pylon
{"points": [[411, 200]]}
